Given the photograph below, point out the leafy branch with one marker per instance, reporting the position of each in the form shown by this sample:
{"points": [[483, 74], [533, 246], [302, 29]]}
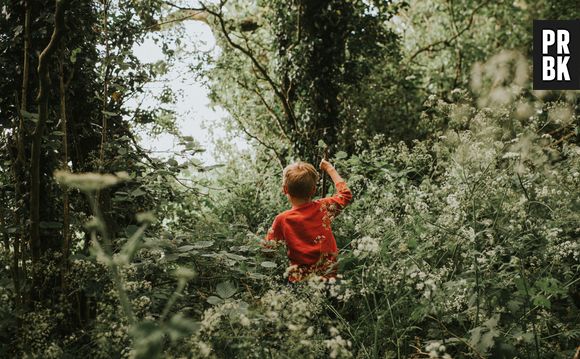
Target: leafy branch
{"points": [[447, 42], [288, 110]]}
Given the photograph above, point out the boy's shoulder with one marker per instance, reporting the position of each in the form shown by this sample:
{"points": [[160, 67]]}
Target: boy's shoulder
{"points": [[292, 211]]}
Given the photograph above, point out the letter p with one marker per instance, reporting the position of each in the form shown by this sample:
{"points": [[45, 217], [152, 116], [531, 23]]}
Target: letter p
{"points": [[548, 39]]}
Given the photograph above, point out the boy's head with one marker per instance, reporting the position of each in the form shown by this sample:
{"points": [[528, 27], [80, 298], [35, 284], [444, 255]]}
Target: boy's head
{"points": [[300, 180]]}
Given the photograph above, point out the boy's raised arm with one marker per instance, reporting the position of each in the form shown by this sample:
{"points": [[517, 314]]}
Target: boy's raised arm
{"points": [[331, 171], [344, 196]]}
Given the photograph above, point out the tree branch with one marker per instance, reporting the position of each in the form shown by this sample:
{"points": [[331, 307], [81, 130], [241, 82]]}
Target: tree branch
{"points": [[448, 41], [261, 69], [197, 15], [270, 110], [243, 128]]}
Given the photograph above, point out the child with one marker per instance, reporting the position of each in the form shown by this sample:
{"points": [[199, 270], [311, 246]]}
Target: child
{"points": [[305, 228]]}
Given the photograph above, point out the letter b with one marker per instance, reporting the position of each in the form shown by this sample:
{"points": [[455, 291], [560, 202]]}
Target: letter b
{"points": [[548, 70]]}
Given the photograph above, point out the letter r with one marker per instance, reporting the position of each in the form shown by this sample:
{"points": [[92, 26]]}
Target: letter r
{"points": [[563, 41]]}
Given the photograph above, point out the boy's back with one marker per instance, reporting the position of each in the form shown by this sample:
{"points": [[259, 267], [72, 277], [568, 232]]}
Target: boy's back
{"points": [[305, 228]]}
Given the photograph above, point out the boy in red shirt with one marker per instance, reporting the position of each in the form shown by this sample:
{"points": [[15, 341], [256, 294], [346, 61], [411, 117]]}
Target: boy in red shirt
{"points": [[305, 228]]}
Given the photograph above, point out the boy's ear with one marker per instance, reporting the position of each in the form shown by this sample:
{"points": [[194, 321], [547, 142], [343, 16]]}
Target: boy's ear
{"points": [[285, 189]]}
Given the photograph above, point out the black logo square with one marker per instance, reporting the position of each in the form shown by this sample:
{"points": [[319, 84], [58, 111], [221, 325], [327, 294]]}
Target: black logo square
{"points": [[556, 54]]}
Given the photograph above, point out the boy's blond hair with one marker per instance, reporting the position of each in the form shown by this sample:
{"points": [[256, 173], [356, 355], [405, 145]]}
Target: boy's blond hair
{"points": [[300, 179]]}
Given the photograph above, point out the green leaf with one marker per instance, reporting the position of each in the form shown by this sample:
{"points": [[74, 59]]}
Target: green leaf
{"points": [[236, 257], [268, 264], [483, 337], [542, 301], [340, 155], [186, 248], [213, 300], [257, 276], [225, 289], [202, 244], [73, 55], [138, 192]]}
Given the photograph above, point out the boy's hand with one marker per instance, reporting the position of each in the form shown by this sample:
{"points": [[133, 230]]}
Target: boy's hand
{"points": [[326, 166], [329, 168]]}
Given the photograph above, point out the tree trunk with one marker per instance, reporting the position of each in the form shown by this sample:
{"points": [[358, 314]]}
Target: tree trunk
{"points": [[323, 24], [42, 100], [19, 163], [66, 207]]}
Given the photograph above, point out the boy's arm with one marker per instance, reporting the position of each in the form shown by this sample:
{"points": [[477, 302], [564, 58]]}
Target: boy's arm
{"points": [[343, 196], [274, 237]]}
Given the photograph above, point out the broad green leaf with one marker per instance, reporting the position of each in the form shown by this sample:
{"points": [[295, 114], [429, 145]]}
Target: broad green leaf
{"points": [[542, 301], [236, 257], [225, 289], [482, 338], [186, 248], [268, 264]]}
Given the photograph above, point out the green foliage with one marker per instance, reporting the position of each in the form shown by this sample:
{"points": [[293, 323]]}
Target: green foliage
{"points": [[461, 241]]}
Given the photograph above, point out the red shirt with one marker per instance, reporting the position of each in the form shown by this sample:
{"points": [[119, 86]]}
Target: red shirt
{"points": [[307, 234]]}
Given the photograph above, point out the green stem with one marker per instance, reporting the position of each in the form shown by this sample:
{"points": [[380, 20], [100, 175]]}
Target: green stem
{"points": [[108, 250], [536, 340], [180, 286], [394, 329]]}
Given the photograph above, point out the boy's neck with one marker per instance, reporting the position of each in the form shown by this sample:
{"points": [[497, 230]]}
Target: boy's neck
{"points": [[297, 202]]}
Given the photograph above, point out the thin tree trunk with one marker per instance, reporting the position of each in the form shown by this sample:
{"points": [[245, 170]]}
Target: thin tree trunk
{"points": [[42, 100], [19, 239], [105, 87], [105, 121], [66, 206]]}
